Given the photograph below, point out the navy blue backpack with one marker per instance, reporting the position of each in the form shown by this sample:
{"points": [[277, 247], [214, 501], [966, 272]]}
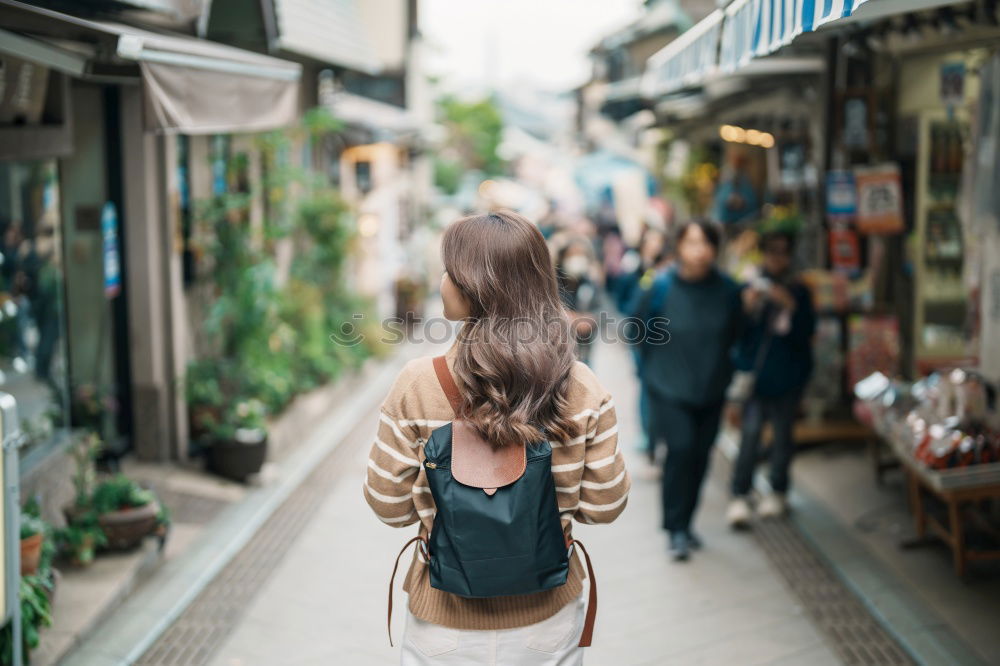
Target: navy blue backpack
{"points": [[497, 530]]}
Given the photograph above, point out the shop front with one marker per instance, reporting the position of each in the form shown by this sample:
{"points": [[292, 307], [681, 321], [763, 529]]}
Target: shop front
{"points": [[905, 276], [89, 121]]}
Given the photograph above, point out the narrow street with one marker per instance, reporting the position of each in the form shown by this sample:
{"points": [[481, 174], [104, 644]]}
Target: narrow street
{"points": [[324, 603]]}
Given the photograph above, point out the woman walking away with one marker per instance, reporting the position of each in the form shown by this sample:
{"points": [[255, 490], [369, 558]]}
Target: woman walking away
{"points": [[777, 349], [686, 377], [507, 390]]}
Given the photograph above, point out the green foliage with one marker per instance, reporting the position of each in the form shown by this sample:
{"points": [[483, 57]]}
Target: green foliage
{"points": [[475, 130], [80, 539], [272, 341], [783, 219], [30, 526], [318, 122], [119, 492], [36, 612], [31, 519], [84, 451], [447, 174]]}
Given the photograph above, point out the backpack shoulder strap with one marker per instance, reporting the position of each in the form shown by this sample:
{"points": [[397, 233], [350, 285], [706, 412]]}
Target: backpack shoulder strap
{"points": [[447, 383], [660, 289], [588, 623]]}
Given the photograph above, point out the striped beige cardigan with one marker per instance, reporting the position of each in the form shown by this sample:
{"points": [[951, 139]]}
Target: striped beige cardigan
{"points": [[591, 486]]}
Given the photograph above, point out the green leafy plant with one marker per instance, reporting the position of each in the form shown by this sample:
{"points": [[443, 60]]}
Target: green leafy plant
{"points": [[784, 219], [475, 130], [30, 526], [267, 341], [31, 519], [80, 540], [36, 612], [84, 450], [119, 492]]}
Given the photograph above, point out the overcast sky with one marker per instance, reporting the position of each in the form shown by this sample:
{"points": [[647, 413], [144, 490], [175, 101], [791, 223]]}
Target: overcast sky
{"points": [[542, 44]]}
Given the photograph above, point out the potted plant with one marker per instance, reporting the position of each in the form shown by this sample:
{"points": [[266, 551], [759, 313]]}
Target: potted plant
{"points": [[126, 512], [78, 541], [204, 396], [33, 534], [238, 441], [84, 451], [36, 612]]}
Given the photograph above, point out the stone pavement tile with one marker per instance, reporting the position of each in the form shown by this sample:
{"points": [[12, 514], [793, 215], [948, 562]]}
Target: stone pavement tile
{"points": [[761, 645], [814, 656]]}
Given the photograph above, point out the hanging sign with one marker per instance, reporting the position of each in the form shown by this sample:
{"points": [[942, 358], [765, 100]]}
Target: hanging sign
{"points": [[845, 252], [952, 84], [880, 200], [112, 264], [841, 193]]}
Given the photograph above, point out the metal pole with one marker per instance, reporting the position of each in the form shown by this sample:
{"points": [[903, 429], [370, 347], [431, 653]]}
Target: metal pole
{"points": [[11, 434]]}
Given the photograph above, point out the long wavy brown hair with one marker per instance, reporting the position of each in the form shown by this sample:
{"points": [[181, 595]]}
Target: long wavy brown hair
{"points": [[515, 350]]}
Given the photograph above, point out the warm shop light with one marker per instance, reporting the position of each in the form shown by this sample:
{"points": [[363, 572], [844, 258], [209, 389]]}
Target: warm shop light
{"points": [[368, 225], [734, 134]]}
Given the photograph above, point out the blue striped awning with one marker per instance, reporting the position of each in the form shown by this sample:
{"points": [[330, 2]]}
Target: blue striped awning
{"points": [[727, 40], [755, 28]]}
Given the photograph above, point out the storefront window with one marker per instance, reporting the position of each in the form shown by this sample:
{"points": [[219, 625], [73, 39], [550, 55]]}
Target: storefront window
{"points": [[32, 341]]}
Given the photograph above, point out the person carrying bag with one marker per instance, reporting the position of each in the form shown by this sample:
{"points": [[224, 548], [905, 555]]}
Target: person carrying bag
{"points": [[494, 449]]}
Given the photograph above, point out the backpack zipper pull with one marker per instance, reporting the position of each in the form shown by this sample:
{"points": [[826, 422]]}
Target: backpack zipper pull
{"points": [[431, 465]]}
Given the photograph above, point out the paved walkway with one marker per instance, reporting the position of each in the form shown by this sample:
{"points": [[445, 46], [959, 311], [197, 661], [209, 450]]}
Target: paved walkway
{"points": [[325, 602]]}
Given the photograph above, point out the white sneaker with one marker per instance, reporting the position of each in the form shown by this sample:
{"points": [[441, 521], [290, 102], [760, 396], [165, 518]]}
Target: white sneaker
{"points": [[739, 513], [773, 506]]}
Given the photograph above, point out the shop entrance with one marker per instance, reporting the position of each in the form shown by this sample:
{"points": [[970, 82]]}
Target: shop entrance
{"points": [[95, 302]]}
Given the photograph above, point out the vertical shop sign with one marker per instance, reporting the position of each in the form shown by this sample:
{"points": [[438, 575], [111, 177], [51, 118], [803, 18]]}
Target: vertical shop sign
{"points": [[880, 200], [841, 193], [952, 84], [845, 253], [112, 265]]}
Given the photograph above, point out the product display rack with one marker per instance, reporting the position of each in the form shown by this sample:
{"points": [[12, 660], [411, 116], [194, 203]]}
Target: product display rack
{"points": [[960, 491], [941, 301]]}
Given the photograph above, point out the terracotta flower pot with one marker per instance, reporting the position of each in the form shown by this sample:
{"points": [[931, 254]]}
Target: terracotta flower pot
{"points": [[125, 528], [31, 552], [237, 460]]}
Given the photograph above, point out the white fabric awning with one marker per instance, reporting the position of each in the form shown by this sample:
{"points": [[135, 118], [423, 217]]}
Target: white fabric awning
{"points": [[370, 113], [192, 86], [685, 61]]}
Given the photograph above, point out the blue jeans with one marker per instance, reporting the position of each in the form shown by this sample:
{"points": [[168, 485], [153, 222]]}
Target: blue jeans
{"points": [[780, 411]]}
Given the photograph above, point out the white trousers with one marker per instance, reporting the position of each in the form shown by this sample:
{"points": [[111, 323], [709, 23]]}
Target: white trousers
{"points": [[551, 642]]}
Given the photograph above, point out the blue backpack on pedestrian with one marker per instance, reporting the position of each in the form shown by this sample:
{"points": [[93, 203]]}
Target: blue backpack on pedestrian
{"points": [[497, 530], [651, 303]]}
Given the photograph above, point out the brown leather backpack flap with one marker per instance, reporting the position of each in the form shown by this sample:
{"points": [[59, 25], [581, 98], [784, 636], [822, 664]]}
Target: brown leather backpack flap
{"points": [[477, 463]]}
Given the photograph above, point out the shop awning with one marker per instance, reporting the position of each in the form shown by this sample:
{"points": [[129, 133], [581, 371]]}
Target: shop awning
{"points": [[727, 40], [755, 28], [192, 86], [687, 60], [371, 114]]}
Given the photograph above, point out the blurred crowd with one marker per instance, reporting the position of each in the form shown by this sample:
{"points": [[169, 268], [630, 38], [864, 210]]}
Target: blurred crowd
{"points": [[742, 343]]}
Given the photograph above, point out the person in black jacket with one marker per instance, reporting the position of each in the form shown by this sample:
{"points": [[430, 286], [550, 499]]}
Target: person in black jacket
{"points": [[686, 376], [777, 348]]}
